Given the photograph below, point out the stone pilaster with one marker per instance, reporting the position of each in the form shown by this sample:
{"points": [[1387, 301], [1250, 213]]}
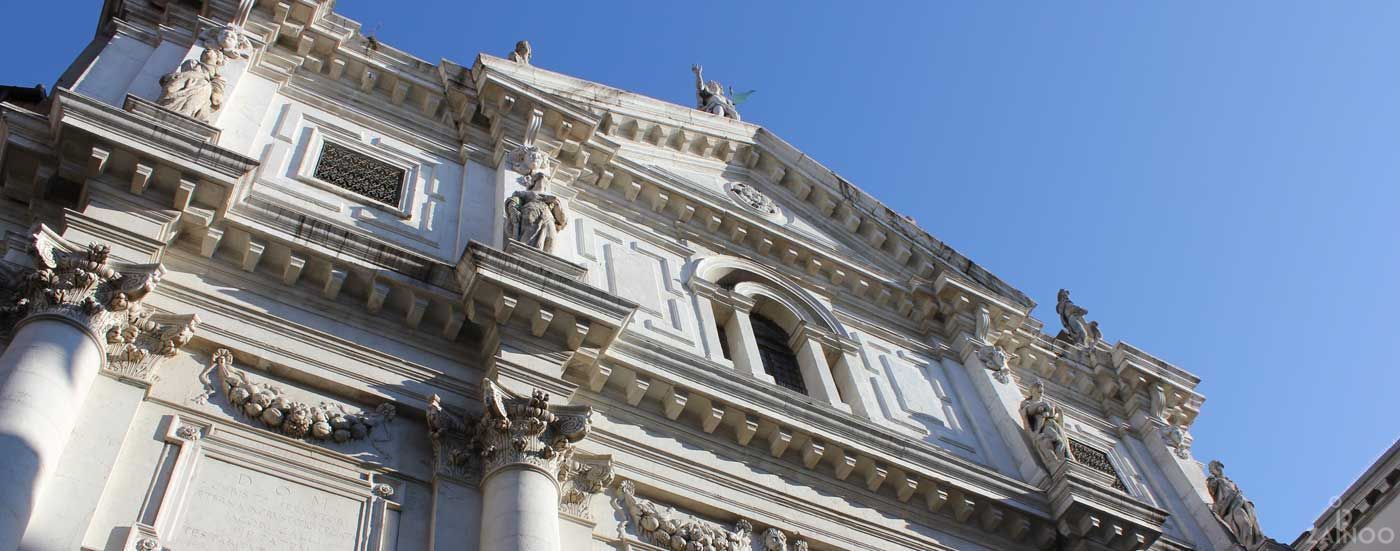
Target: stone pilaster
{"points": [[72, 313]]}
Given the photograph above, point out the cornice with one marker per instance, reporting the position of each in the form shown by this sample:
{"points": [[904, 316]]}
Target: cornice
{"points": [[816, 437]]}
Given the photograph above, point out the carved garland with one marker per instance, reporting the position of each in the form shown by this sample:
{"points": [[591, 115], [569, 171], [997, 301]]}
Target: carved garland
{"points": [[670, 529], [270, 405]]}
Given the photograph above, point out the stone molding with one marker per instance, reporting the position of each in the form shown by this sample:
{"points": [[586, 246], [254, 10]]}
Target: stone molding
{"points": [[83, 286], [270, 405], [512, 432]]}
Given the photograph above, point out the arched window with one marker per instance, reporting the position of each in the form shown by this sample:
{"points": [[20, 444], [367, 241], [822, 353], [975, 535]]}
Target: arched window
{"points": [[778, 360]]}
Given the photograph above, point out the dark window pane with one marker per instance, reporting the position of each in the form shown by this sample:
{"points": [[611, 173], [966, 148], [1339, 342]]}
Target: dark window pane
{"points": [[778, 360]]}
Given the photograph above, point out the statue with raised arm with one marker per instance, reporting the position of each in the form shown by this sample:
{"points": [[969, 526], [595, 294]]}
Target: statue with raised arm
{"points": [[1230, 505], [710, 98]]}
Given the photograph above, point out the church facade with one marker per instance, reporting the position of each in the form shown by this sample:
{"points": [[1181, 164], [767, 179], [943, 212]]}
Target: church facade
{"points": [[273, 284]]}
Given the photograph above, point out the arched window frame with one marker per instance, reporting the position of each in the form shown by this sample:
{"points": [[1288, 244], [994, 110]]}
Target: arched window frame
{"points": [[728, 290]]}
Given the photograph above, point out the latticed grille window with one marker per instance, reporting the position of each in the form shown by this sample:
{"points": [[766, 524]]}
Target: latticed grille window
{"points": [[778, 360], [1093, 458], [360, 173]]}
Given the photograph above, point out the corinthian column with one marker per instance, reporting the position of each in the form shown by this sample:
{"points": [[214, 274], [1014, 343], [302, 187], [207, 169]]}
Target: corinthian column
{"points": [[71, 315], [523, 443]]}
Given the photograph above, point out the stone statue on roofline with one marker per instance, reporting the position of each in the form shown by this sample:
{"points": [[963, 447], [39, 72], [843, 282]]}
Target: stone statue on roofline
{"points": [[1077, 331], [522, 52], [710, 97]]}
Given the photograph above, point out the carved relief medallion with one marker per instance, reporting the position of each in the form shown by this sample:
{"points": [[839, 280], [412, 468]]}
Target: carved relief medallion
{"points": [[753, 199]]}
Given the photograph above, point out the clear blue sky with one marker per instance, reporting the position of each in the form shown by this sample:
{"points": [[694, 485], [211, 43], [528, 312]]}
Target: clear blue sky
{"points": [[1216, 183]]}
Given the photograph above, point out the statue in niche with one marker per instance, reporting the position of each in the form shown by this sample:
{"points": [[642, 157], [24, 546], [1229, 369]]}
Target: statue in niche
{"points": [[1077, 330], [710, 98], [1046, 423], [1232, 508], [534, 216], [195, 88], [522, 52]]}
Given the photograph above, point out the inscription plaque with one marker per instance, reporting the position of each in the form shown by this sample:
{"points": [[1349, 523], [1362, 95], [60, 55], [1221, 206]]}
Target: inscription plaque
{"points": [[234, 508]]}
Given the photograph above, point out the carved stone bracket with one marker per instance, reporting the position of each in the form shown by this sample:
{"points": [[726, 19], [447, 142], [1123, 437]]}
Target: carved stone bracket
{"points": [[581, 478], [274, 409], [511, 432]]}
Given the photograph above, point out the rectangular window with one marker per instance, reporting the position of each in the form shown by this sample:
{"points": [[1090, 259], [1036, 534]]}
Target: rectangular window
{"points": [[354, 171]]}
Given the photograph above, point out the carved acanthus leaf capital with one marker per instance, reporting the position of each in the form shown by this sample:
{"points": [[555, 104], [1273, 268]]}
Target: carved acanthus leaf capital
{"points": [[83, 285], [517, 431]]}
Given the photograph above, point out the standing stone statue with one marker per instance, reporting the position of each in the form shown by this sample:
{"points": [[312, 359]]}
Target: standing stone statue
{"points": [[1236, 512], [195, 89], [533, 216], [1077, 331], [1046, 423], [522, 52], [710, 98]]}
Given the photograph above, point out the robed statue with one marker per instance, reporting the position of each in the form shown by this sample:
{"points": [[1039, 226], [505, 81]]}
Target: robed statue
{"points": [[1046, 424], [1236, 512], [534, 216], [1078, 331]]}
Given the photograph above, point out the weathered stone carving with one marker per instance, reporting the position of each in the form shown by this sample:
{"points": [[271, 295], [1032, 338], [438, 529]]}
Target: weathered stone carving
{"points": [[997, 360], [1046, 425], [521, 53], [753, 198], [775, 540], [1233, 510], [672, 530], [142, 337], [533, 215], [196, 89], [230, 40], [527, 431], [581, 478], [1077, 331], [710, 98], [383, 491], [1178, 439], [83, 285], [512, 431], [270, 405]]}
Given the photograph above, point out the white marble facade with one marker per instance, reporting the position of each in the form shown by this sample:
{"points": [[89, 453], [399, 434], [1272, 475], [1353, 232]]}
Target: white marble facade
{"points": [[307, 331]]}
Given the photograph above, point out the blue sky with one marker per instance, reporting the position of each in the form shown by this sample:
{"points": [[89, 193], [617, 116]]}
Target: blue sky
{"points": [[1216, 183]]}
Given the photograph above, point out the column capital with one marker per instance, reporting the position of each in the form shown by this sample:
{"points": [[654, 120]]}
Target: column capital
{"points": [[512, 432], [82, 286]]}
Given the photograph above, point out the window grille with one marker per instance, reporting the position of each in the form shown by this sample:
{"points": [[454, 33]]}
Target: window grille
{"points": [[1095, 459], [354, 171]]}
